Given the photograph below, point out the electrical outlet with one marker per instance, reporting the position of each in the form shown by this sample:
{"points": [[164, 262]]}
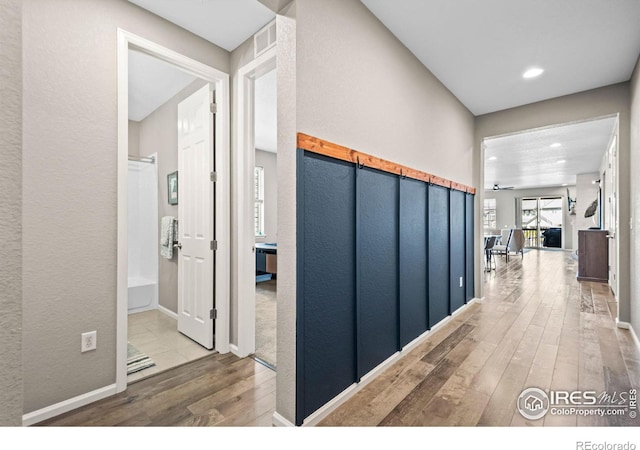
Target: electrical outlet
{"points": [[460, 281], [89, 341]]}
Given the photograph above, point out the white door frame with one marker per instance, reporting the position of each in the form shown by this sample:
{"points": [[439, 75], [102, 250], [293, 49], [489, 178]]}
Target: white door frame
{"points": [[220, 80], [244, 163]]}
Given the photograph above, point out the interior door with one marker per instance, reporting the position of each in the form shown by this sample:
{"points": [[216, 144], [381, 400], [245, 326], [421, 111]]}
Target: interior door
{"points": [[196, 263], [610, 214]]}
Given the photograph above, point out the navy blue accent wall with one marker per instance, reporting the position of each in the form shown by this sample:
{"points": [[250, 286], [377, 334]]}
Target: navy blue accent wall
{"points": [[378, 267], [413, 260], [457, 248], [469, 247], [438, 254], [327, 279], [379, 259]]}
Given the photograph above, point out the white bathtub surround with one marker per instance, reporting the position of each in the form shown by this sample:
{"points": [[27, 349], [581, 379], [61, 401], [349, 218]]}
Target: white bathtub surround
{"points": [[143, 235]]}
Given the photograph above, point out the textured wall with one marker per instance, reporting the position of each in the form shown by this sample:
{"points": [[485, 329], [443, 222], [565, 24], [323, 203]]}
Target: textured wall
{"points": [[360, 87], [635, 200], [70, 174], [581, 106], [11, 216], [159, 134]]}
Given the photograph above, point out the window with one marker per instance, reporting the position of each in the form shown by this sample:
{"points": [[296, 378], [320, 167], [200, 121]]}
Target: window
{"points": [[258, 213], [490, 214]]}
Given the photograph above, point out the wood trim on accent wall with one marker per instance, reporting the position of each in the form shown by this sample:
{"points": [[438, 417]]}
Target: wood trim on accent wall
{"points": [[326, 148]]}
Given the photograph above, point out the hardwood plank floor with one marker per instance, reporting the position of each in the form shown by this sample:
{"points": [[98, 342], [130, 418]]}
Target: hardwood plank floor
{"points": [[537, 327], [217, 390]]}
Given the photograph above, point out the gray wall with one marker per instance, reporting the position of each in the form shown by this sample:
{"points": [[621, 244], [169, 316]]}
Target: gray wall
{"points": [[506, 211], [158, 133], [11, 393], [69, 162], [269, 161], [635, 199], [134, 138], [577, 107], [358, 86]]}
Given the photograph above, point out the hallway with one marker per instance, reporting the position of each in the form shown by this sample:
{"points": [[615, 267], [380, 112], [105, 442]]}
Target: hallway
{"points": [[537, 327]]}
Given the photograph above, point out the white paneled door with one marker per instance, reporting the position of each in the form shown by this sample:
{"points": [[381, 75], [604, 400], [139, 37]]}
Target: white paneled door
{"points": [[196, 262]]}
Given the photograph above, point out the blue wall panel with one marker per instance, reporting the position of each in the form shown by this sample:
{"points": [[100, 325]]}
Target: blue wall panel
{"points": [[377, 235], [326, 281], [413, 260], [469, 219], [438, 254], [457, 249]]}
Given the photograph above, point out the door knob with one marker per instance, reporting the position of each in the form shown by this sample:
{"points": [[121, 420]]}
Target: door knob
{"points": [[178, 246]]}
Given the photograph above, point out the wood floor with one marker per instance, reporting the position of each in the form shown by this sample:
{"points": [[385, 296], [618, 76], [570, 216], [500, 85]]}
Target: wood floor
{"points": [[537, 326]]}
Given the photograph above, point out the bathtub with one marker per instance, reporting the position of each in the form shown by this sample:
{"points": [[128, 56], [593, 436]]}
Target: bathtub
{"points": [[143, 294]]}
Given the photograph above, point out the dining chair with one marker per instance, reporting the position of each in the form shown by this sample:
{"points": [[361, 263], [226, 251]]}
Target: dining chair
{"points": [[505, 244], [517, 242], [489, 244]]}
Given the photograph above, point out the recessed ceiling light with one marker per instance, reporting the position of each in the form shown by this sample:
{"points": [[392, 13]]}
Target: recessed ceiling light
{"points": [[556, 145], [565, 184], [562, 161], [533, 73], [493, 158]]}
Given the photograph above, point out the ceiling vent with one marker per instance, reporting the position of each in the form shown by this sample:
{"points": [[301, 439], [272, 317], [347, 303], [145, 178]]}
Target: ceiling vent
{"points": [[264, 39]]}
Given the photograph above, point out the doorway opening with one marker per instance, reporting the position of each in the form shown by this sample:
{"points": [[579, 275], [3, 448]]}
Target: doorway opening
{"points": [[173, 210], [257, 209], [552, 182]]}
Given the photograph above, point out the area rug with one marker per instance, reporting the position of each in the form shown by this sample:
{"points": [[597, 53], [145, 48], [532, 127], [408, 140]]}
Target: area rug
{"points": [[136, 360]]}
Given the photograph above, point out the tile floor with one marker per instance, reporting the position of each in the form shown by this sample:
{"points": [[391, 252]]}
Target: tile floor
{"points": [[156, 334]]}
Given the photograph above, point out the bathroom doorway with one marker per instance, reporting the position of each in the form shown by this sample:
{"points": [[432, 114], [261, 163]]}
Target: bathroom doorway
{"points": [[170, 104]]}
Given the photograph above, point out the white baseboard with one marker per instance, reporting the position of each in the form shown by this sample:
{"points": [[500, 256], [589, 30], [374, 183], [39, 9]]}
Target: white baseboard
{"points": [[623, 325], [635, 337], [168, 312], [279, 421], [349, 392], [234, 349], [67, 405]]}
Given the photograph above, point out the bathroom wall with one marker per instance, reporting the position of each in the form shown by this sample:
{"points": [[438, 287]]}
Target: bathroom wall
{"points": [[159, 134], [134, 138]]}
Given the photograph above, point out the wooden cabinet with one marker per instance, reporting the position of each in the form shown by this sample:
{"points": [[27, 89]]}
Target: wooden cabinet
{"points": [[593, 255]]}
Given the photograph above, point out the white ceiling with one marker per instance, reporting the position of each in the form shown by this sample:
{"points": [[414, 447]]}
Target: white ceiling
{"points": [[479, 49], [527, 160], [151, 83], [226, 23]]}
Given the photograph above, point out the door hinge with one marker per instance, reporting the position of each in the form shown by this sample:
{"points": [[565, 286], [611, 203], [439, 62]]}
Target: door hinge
{"points": [[214, 177], [214, 245], [213, 314], [213, 108]]}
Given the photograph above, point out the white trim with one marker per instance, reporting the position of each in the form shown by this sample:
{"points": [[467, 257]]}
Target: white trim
{"points": [[279, 421], [244, 163], [623, 325], [233, 348], [635, 337], [168, 312], [220, 79], [349, 392], [67, 405]]}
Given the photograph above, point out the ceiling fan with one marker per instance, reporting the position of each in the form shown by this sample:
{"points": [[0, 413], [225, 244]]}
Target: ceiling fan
{"points": [[497, 187]]}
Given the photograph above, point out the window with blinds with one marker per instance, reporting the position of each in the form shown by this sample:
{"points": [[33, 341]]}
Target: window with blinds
{"points": [[259, 201]]}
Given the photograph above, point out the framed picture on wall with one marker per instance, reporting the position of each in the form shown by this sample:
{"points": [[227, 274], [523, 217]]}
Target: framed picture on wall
{"points": [[172, 188]]}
